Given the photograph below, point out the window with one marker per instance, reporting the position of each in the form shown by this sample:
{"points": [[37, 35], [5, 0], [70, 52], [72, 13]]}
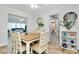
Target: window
{"points": [[16, 25]]}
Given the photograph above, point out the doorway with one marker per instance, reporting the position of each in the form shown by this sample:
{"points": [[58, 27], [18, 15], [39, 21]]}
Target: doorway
{"points": [[54, 29]]}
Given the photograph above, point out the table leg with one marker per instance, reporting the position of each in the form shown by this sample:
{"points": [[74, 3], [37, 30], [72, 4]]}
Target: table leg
{"points": [[28, 48]]}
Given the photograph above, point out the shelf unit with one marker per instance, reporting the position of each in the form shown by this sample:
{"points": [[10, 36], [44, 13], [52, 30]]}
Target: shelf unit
{"points": [[69, 40]]}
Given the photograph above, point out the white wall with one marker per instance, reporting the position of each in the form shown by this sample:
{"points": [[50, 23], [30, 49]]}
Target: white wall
{"points": [[46, 18], [31, 24], [61, 10], [3, 25], [4, 11]]}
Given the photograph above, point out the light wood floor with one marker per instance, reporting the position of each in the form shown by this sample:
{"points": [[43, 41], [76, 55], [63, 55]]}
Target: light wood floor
{"points": [[52, 49], [56, 49], [3, 50]]}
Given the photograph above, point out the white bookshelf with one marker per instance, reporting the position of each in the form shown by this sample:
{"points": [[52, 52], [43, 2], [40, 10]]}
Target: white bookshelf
{"points": [[69, 40]]}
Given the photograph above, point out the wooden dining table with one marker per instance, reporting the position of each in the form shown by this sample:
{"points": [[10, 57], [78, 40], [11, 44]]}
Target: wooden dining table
{"points": [[29, 38]]}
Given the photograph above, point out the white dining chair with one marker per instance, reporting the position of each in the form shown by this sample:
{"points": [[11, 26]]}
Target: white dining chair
{"points": [[42, 45], [19, 46], [11, 42]]}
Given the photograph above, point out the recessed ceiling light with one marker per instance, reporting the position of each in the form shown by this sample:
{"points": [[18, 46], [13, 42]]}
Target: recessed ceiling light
{"points": [[34, 6], [22, 19]]}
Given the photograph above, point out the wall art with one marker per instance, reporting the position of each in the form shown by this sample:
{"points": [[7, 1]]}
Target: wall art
{"points": [[69, 19]]}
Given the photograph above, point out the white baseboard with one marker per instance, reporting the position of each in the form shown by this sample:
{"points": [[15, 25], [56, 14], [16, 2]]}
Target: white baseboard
{"points": [[2, 44]]}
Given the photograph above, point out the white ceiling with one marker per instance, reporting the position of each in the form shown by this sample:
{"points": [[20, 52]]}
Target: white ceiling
{"points": [[44, 7], [26, 8]]}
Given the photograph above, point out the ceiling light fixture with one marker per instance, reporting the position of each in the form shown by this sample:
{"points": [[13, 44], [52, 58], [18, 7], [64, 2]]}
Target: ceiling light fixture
{"points": [[34, 6], [22, 19]]}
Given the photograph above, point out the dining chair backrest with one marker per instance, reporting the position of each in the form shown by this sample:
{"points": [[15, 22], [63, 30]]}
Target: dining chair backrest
{"points": [[43, 39], [18, 42], [11, 35], [12, 41]]}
